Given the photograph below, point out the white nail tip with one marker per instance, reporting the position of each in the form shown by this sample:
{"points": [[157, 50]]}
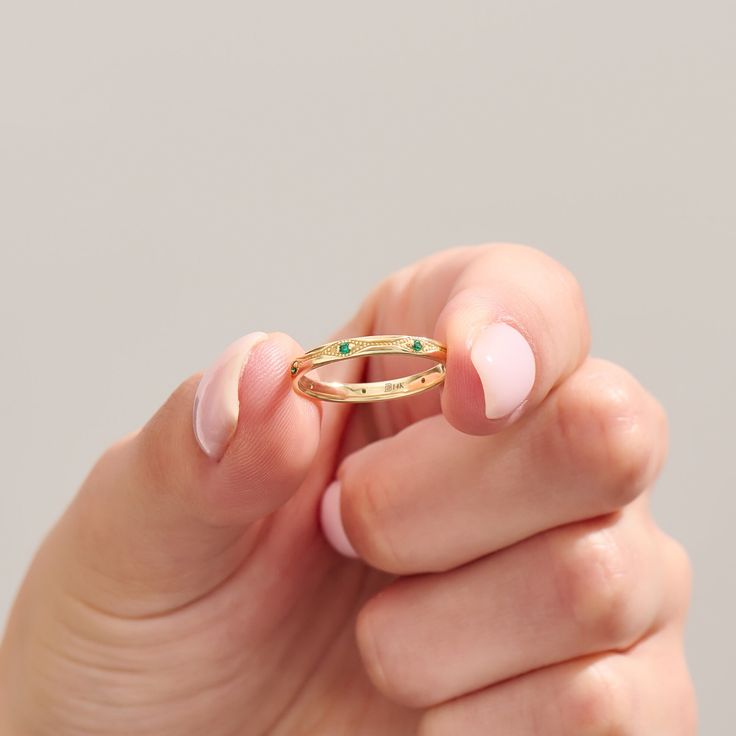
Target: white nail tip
{"points": [[216, 404]]}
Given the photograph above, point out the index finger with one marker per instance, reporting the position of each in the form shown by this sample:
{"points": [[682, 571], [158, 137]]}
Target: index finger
{"points": [[514, 323]]}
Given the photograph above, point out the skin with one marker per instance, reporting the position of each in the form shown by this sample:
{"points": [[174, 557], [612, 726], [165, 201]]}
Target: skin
{"points": [[511, 578]]}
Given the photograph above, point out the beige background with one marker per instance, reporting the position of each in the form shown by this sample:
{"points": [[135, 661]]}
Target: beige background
{"points": [[173, 174]]}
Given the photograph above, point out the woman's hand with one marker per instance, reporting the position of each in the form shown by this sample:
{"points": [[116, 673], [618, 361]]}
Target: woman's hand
{"points": [[188, 588]]}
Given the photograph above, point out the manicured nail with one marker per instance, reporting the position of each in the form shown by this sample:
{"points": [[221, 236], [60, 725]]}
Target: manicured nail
{"points": [[331, 519], [505, 364], [216, 403]]}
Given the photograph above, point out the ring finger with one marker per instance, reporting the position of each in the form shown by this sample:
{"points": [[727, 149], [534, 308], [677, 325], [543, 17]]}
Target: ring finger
{"points": [[609, 692], [587, 587]]}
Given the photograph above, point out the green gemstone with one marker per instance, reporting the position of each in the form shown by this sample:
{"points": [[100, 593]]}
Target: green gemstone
{"points": [[294, 368], [344, 348], [417, 345]]}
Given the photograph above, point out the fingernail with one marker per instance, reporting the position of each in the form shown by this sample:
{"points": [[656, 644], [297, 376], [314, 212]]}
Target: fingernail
{"points": [[331, 520], [216, 403], [505, 364]]}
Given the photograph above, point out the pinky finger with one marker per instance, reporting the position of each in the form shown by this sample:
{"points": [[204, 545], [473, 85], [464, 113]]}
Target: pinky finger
{"points": [[645, 691]]}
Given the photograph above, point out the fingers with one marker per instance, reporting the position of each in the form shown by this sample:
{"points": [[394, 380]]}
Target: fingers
{"points": [[431, 497], [256, 436], [451, 296], [600, 694], [162, 517], [515, 327], [589, 587]]}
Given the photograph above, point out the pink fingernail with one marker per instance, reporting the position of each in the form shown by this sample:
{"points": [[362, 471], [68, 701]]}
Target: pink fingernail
{"points": [[505, 363], [331, 519], [216, 403]]}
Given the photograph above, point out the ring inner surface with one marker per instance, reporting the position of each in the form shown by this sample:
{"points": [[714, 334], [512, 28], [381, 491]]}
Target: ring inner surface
{"points": [[375, 390]]}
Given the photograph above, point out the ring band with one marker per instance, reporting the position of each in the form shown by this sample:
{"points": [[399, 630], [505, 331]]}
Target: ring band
{"points": [[355, 347]]}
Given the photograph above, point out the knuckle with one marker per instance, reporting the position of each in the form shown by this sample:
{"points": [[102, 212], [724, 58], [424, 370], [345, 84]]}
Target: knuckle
{"points": [[366, 633], [596, 703], [682, 561], [386, 658], [688, 706], [681, 569], [613, 429], [109, 463], [570, 284], [595, 582], [571, 291], [367, 511], [561, 278]]}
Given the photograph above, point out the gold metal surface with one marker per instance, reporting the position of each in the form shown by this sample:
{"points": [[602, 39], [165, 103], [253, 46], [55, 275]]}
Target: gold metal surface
{"points": [[356, 347]]}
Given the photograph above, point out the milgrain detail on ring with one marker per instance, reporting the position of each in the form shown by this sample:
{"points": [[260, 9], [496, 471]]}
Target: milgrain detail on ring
{"points": [[354, 347]]}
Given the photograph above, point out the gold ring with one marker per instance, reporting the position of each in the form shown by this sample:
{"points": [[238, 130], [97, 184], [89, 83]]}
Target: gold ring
{"points": [[354, 347]]}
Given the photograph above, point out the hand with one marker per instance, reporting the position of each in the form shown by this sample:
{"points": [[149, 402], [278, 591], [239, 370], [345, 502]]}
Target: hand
{"points": [[510, 577]]}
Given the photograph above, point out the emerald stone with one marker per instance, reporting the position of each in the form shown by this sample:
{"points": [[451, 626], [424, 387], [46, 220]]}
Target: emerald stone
{"points": [[344, 348], [294, 368], [416, 345]]}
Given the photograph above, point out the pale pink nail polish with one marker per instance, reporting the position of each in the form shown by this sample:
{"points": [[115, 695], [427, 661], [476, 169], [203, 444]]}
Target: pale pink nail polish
{"points": [[505, 363], [331, 520], [216, 403]]}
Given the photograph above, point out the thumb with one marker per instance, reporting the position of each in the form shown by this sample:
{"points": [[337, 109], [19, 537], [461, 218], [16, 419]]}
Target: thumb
{"points": [[240, 447], [172, 510]]}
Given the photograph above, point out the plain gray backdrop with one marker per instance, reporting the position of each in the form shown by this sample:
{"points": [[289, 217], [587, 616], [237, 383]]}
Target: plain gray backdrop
{"points": [[174, 174]]}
